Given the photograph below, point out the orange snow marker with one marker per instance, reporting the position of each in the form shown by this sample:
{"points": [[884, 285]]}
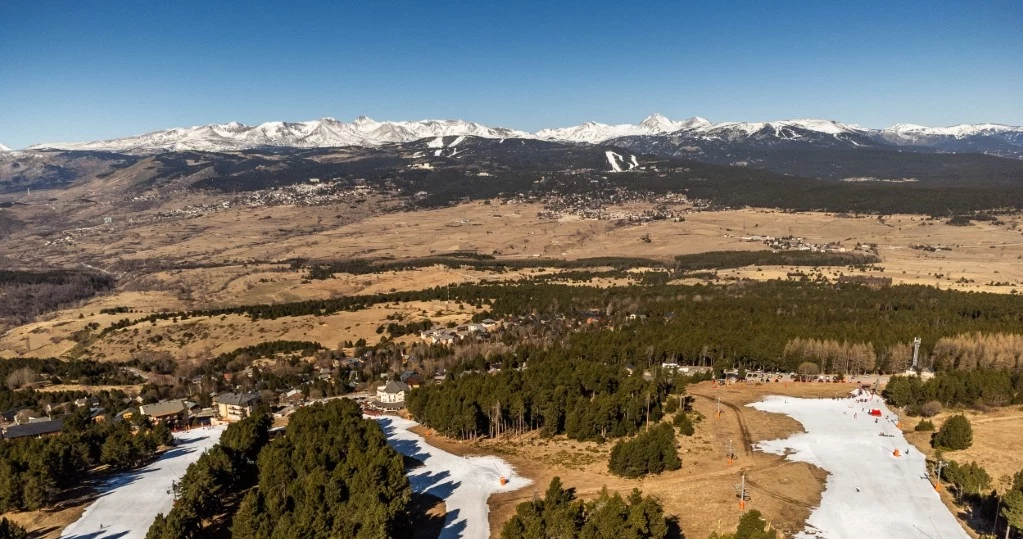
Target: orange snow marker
{"points": [[937, 486], [896, 452], [742, 504], [504, 480]]}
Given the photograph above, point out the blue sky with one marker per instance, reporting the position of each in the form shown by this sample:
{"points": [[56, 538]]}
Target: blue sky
{"points": [[86, 70]]}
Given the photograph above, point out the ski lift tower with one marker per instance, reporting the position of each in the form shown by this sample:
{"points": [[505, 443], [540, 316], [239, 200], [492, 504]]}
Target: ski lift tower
{"points": [[742, 493]]}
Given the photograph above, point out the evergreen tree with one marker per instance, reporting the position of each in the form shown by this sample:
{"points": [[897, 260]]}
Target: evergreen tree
{"points": [[683, 424], [1012, 510], [955, 434], [10, 530], [652, 451], [969, 479]]}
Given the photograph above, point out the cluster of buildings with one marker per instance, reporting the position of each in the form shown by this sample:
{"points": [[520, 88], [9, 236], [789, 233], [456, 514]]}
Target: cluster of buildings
{"points": [[795, 243], [596, 207], [457, 334], [175, 413]]}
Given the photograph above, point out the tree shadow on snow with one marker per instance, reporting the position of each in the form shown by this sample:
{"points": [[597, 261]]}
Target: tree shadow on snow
{"points": [[98, 535], [409, 448], [434, 484], [454, 527]]}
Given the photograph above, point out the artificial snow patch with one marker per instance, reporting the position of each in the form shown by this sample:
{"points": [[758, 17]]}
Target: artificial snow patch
{"points": [[464, 483], [129, 502], [457, 141], [634, 163], [870, 492], [436, 153], [613, 159], [436, 143]]}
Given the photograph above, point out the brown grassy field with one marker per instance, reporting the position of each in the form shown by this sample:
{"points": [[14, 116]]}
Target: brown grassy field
{"points": [[978, 255], [207, 337], [997, 441]]}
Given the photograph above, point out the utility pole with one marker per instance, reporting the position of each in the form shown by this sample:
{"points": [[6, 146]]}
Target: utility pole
{"points": [[718, 414], [742, 493]]}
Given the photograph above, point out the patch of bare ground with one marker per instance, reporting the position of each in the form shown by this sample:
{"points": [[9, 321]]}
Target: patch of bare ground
{"points": [[702, 493], [50, 522], [997, 437]]}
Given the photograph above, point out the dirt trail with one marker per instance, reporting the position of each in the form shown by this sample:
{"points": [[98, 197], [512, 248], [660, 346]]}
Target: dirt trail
{"points": [[747, 443]]}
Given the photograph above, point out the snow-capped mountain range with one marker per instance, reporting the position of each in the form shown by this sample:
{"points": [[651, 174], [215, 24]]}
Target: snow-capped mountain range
{"points": [[328, 132], [5, 148], [325, 132]]}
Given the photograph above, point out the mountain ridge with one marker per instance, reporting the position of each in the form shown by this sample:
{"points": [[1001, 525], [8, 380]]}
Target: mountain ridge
{"points": [[996, 139]]}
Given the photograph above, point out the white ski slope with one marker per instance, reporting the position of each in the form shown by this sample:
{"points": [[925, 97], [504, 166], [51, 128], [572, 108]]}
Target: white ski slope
{"points": [[869, 492], [464, 483], [129, 502]]}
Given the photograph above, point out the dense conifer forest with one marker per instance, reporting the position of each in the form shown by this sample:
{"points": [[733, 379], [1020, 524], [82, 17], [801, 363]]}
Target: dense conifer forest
{"points": [[554, 389], [331, 474], [211, 487], [956, 388]]}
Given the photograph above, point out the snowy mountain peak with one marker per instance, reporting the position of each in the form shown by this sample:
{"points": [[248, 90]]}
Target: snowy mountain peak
{"points": [[659, 123], [656, 121], [5, 148]]}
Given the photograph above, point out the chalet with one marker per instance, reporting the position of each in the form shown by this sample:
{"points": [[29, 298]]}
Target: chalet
{"points": [[57, 408], [202, 417], [34, 430], [413, 380], [126, 414], [87, 402], [392, 395], [235, 406], [98, 414], [293, 397], [172, 412]]}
